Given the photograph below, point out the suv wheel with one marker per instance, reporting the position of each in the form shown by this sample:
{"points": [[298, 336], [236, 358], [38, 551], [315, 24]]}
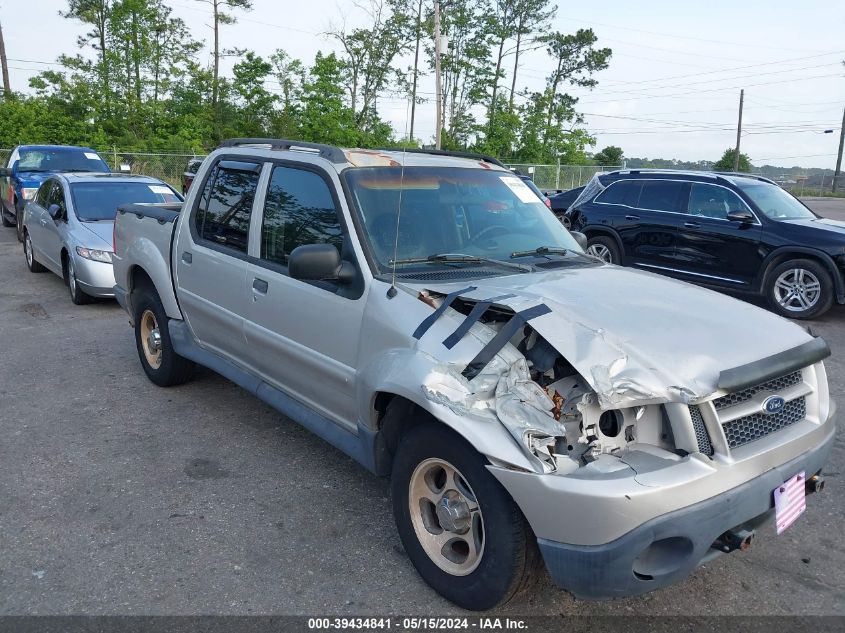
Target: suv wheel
{"points": [[161, 363], [604, 248], [800, 289], [460, 528], [4, 219], [34, 266]]}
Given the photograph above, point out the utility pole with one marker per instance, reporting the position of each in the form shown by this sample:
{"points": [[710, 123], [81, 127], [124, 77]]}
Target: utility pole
{"points": [[7, 90], [416, 71], [438, 113], [838, 171], [738, 130]]}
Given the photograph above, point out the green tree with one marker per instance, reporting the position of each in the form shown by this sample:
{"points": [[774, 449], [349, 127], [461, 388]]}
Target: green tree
{"points": [[726, 162], [325, 116], [255, 101], [610, 155]]}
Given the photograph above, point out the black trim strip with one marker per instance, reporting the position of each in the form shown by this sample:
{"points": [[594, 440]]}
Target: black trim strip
{"points": [[501, 339], [422, 328], [774, 366], [477, 312]]}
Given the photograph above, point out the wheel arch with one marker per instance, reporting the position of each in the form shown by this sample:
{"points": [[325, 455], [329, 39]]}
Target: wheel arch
{"points": [[785, 253], [139, 275], [597, 231]]}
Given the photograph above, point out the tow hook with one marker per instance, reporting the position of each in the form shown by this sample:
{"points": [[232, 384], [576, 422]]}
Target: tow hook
{"points": [[814, 484], [733, 540]]}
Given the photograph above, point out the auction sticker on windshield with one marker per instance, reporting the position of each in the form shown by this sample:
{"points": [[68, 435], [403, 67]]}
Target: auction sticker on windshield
{"points": [[160, 189], [519, 188], [790, 502], [91, 156]]}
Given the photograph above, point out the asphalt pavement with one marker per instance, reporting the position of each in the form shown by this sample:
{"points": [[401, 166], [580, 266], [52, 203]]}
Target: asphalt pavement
{"points": [[118, 497]]}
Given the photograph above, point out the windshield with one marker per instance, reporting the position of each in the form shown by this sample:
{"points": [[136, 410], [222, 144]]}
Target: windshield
{"points": [[94, 201], [61, 160], [773, 201], [489, 214]]}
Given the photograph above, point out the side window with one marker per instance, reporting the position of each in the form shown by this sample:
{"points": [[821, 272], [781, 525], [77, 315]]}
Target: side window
{"points": [[43, 195], [299, 209], [662, 195], [225, 207], [620, 193], [710, 201], [56, 196]]}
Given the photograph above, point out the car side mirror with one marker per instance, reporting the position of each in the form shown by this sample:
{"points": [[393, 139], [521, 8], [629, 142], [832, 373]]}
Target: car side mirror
{"points": [[55, 211], [741, 216], [5, 172], [319, 262], [580, 238]]}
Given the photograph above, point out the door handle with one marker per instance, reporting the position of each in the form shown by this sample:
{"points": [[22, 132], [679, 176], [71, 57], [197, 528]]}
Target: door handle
{"points": [[43, 222], [187, 257], [260, 286], [632, 217], [692, 225]]}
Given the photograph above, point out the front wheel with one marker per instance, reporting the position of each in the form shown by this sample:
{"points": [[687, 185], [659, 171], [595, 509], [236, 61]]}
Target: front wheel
{"points": [[77, 295], [604, 248], [4, 219], [462, 531], [800, 289], [160, 361]]}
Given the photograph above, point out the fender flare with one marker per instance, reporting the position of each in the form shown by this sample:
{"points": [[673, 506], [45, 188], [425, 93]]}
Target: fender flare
{"points": [[770, 262]]}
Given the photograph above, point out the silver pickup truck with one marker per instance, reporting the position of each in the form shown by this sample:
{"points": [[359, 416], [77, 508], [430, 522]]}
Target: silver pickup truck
{"points": [[426, 314]]}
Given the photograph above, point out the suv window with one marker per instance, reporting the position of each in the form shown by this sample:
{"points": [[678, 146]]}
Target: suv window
{"points": [[299, 210], [226, 205], [624, 192], [662, 195], [710, 201]]}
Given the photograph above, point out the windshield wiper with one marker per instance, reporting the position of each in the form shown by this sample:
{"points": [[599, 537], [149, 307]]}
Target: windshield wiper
{"points": [[459, 258], [541, 250]]}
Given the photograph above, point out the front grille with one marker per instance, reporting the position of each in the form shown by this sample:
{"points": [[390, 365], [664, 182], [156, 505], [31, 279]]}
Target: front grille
{"points": [[776, 384], [757, 425], [701, 435]]}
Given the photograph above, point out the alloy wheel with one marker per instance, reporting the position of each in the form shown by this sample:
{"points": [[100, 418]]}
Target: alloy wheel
{"points": [[151, 339], [27, 247], [446, 517], [601, 251], [797, 290]]}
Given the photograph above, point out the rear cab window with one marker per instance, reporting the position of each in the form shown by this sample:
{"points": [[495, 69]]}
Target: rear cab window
{"points": [[224, 210]]}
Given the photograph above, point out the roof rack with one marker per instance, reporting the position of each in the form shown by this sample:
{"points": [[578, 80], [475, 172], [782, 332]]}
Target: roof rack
{"points": [[329, 152], [444, 152], [746, 175]]}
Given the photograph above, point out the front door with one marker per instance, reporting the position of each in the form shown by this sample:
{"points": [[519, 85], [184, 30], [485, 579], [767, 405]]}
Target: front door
{"points": [[210, 257], [712, 249], [302, 336]]}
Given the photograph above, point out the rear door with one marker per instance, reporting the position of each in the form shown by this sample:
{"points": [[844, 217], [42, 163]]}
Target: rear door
{"points": [[38, 217], [711, 248], [648, 221], [211, 253], [302, 337]]}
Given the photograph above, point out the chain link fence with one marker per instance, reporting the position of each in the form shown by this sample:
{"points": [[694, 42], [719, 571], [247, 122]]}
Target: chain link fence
{"points": [[548, 177]]}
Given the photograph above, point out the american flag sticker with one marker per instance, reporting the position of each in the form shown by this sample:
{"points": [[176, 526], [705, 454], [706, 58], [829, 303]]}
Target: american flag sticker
{"points": [[790, 502]]}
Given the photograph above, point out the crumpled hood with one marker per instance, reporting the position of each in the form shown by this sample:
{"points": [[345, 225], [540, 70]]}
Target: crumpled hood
{"points": [[99, 234], [638, 337], [32, 180]]}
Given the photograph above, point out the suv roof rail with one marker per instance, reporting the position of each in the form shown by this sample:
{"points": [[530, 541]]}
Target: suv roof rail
{"points": [[654, 170], [444, 152], [329, 152], [745, 175]]}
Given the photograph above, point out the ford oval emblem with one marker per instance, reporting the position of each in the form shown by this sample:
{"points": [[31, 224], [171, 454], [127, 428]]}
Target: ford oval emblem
{"points": [[773, 404]]}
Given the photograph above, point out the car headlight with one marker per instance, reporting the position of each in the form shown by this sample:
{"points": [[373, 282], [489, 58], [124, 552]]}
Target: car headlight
{"points": [[95, 255], [28, 193]]}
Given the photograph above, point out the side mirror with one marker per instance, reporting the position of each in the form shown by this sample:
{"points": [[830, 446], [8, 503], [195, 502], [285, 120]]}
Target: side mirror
{"points": [[55, 211], [580, 238], [741, 216], [5, 172], [319, 262]]}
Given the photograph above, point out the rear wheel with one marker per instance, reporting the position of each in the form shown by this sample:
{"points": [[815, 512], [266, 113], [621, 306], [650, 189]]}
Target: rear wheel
{"points": [[604, 248], [800, 289], [460, 528], [161, 363], [34, 266], [77, 295]]}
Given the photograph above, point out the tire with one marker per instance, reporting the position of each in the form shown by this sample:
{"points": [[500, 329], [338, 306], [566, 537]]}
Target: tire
{"points": [[508, 559], [4, 219], [162, 364], [605, 248], [77, 295], [19, 223], [800, 289], [29, 254]]}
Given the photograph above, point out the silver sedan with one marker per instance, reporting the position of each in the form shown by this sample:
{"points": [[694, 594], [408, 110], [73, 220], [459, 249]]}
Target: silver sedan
{"points": [[68, 226]]}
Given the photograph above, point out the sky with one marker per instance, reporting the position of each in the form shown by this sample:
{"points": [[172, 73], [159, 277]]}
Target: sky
{"points": [[671, 89]]}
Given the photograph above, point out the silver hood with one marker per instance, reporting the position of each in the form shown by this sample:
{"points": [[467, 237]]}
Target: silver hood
{"points": [[638, 337], [97, 235]]}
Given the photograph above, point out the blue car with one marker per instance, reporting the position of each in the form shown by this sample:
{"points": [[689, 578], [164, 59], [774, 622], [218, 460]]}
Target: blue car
{"points": [[30, 165]]}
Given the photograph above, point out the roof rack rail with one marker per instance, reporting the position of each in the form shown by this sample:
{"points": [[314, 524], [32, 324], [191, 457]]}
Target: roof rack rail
{"points": [[444, 152], [329, 152], [745, 175]]}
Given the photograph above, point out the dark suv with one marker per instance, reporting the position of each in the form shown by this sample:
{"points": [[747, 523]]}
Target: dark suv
{"points": [[733, 232]]}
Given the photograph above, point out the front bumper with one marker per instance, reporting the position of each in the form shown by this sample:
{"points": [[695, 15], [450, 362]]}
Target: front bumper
{"points": [[94, 278], [670, 547]]}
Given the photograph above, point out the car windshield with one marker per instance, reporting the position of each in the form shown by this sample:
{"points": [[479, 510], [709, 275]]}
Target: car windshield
{"points": [[773, 201], [96, 201], [446, 210], [61, 160]]}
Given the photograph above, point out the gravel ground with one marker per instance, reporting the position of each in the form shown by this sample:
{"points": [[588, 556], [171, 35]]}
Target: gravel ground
{"points": [[117, 497]]}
